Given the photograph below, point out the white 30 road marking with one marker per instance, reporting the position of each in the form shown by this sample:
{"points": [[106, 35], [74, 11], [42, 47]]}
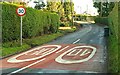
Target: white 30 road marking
{"points": [[15, 60], [71, 53], [76, 41], [60, 59], [62, 49], [85, 52], [27, 66]]}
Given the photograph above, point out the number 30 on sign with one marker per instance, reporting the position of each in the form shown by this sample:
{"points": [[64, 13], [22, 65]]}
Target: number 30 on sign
{"points": [[21, 11]]}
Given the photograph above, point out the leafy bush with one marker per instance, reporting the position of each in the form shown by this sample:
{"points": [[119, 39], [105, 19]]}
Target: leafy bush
{"points": [[101, 20], [35, 23], [66, 24], [113, 40]]}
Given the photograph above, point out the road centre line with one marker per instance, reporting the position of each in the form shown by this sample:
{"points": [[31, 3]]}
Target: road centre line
{"points": [[76, 41], [23, 68], [62, 49], [27, 66], [90, 28]]}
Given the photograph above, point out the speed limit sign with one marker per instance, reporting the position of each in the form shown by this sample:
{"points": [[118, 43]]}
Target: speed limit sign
{"points": [[21, 11]]}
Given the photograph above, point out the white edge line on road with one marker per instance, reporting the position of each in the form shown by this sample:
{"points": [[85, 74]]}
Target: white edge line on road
{"points": [[76, 41], [62, 49], [26, 66], [90, 72]]}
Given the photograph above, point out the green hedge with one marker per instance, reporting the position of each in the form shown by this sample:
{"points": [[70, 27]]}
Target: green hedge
{"points": [[101, 20], [113, 65], [35, 23]]}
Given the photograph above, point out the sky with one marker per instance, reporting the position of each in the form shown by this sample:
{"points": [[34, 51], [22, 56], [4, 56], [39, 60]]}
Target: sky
{"points": [[80, 6], [84, 5]]}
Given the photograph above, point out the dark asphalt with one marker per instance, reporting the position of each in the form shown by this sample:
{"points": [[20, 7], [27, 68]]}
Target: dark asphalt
{"points": [[90, 35]]}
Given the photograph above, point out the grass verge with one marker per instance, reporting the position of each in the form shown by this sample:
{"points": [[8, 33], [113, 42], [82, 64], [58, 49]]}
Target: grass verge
{"points": [[10, 48], [42, 39]]}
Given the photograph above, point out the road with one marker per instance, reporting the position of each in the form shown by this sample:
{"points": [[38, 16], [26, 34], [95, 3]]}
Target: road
{"points": [[90, 37]]}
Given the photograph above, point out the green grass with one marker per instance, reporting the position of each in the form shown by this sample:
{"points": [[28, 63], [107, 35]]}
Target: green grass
{"points": [[68, 30], [12, 50], [42, 39], [14, 47]]}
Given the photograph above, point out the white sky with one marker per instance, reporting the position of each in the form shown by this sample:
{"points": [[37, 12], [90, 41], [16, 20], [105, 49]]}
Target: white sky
{"points": [[80, 6], [84, 5]]}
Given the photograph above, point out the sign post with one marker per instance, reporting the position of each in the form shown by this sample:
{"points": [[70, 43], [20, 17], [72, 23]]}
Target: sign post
{"points": [[21, 32], [21, 12]]}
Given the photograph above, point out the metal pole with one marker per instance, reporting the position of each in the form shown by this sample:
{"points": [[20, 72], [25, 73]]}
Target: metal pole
{"points": [[21, 32]]}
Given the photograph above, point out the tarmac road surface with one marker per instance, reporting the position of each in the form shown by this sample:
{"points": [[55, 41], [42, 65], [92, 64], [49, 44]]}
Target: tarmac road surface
{"points": [[83, 51]]}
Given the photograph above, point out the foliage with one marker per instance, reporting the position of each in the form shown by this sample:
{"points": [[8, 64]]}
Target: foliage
{"points": [[119, 35], [80, 17], [64, 9], [68, 30], [10, 23], [14, 47], [68, 8], [40, 5], [42, 39], [35, 23], [104, 8], [113, 40], [65, 24], [101, 20]]}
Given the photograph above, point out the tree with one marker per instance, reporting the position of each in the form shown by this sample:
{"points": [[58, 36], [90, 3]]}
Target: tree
{"points": [[56, 7], [39, 5], [104, 8], [64, 8], [68, 8]]}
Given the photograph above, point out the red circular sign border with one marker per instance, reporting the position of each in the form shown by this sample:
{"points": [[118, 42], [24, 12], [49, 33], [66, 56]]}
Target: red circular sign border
{"points": [[23, 8]]}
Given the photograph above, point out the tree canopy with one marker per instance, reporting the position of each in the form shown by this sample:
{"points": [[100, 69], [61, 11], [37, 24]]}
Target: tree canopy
{"points": [[64, 9], [104, 8]]}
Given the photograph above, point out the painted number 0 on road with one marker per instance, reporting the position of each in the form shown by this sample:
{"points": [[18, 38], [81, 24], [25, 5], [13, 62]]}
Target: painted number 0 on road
{"points": [[76, 54]]}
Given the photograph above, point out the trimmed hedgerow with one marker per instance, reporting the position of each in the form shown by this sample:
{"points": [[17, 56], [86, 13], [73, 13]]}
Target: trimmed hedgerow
{"points": [[101, 20], [113, 45], [35, 23]]}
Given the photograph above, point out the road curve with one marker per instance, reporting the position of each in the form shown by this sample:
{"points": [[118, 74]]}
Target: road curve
{"points": [[90, 34]]}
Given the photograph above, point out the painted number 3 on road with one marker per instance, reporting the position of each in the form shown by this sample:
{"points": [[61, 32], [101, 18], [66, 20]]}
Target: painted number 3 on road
{"points": [[76, 54], [20, 11]]}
